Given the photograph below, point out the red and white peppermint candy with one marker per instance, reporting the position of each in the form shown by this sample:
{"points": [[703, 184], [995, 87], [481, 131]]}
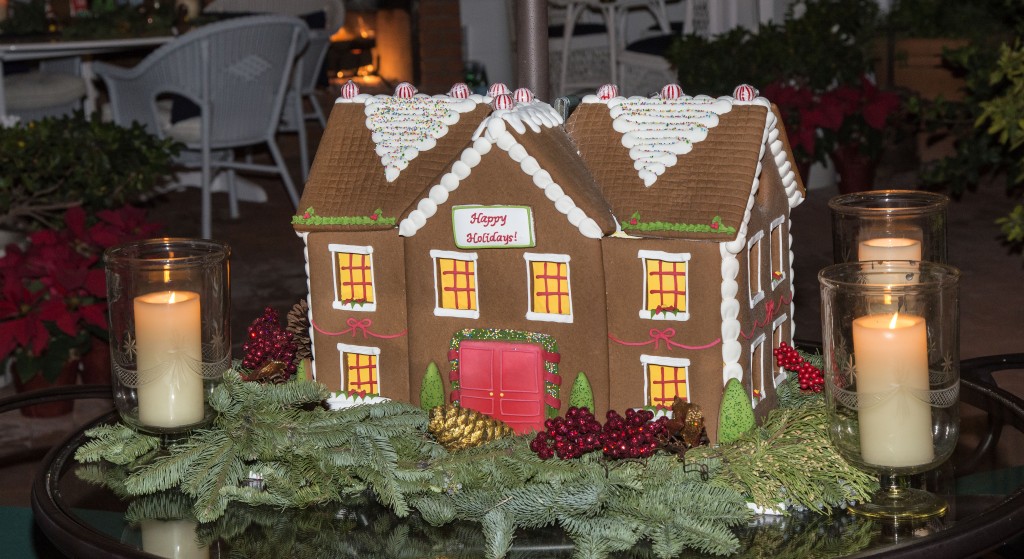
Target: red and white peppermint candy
{"points": [[744, 92], [459, 91], [497, 89], [523, 95], [405, 90], [671, 91], [607, 91], [349, 90], [503, 101]]}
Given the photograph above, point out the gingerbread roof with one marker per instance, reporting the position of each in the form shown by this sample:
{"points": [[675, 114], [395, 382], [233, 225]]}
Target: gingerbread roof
{"points": [[531, 134], [682, 167], [379, 152]]}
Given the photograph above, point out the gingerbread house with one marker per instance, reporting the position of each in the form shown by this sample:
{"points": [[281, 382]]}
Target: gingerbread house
{"points": [[515, 252]]}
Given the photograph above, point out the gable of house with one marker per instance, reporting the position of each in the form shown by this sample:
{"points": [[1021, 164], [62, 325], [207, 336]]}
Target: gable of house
{"points": [[681, 167], [378, 152]]}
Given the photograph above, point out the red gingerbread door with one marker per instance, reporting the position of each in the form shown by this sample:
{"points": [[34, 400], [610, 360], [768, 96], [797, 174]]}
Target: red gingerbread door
{"points": [[504, 380]]}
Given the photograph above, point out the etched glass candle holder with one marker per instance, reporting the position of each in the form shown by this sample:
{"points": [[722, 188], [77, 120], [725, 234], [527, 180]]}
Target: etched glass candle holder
{"points": [[892, 375], [170, 339], [889, 225]]}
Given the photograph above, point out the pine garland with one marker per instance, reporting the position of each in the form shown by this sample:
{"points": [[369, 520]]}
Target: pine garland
{"points": [[305, 455], [789, 462]]}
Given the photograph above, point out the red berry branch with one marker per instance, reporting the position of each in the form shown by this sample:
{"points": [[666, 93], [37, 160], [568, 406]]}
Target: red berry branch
{"points": [[810, 377], [579, 432], [268, 342]]}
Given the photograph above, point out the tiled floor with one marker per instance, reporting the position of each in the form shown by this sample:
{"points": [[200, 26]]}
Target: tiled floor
{"points": [[268, 270]]}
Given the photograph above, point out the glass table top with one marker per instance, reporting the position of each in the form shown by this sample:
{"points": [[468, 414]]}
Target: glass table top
{"points": [[983, 484]]}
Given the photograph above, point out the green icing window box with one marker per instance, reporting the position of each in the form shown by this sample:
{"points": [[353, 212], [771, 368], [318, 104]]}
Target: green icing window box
{"points": [[309, 217], [636, 224]]}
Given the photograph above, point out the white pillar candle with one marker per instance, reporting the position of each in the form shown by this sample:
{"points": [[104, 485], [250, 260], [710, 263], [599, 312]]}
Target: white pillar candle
{"points": [[891, 357], [168, 344], [889, 248], [172, 538]]}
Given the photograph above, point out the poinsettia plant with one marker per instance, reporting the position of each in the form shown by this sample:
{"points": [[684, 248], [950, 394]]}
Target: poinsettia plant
{"points": [[54, 294], [818, 123]]}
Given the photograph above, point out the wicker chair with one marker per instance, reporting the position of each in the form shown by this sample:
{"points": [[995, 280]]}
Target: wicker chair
{"points": [[237, 72]]}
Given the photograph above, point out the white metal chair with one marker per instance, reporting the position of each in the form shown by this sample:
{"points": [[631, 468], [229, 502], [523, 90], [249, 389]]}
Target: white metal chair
{"points": [[308, 74], [237, 72]]}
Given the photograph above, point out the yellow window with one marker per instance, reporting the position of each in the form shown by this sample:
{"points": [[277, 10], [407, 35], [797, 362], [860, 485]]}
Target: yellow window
{"points": [[665, 382], [355, 278], [458, 283], [550, 287], [666, 286], [360, 373]]}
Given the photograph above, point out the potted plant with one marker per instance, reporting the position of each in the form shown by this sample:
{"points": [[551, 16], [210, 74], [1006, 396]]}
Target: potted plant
{"points": [[809, 66], [48, 166], [53, 305]]}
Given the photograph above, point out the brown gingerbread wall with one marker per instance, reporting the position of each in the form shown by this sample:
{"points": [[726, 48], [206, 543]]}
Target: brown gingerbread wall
{"points": [[502, 279], [384, 328]]}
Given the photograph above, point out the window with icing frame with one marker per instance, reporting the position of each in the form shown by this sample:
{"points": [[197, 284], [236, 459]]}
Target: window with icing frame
{"points": [[779, 237], [665, 378], [354, 288], [754, 268], [549, 286], [666, 285], [455, 284], [359, 369]]}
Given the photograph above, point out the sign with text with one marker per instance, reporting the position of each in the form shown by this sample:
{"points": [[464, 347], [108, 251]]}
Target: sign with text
{"points": [[493, 226]]}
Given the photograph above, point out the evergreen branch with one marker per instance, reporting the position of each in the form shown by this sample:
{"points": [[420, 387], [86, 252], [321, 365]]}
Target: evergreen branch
{"points": [[498, 528], [117, 444]]}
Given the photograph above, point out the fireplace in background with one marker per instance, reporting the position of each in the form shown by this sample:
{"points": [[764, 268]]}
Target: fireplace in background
{"points": [[387, 42]]}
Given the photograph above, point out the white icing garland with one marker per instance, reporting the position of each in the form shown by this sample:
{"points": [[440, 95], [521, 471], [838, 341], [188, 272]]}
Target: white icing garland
{"points": [[402, 128], [657, 131]]}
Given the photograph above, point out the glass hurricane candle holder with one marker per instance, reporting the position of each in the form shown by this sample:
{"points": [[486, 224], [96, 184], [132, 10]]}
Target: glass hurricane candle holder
{"points": [[892, 375], [889, 225], [170, 339]]}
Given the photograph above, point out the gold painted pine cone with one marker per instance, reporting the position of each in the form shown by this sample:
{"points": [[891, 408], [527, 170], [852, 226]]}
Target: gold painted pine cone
{"points": [[457, 428]]}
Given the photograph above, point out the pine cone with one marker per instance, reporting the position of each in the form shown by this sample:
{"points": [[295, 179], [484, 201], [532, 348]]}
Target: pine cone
{"points": [[298, 325], [457, 428]]}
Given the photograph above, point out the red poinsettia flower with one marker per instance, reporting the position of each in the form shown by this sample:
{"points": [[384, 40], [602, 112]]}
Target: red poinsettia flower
{"points": [[56, 286], [848, 114]]}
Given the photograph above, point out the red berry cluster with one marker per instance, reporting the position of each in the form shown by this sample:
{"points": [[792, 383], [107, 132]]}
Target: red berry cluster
{"points": [[633, 436], [810, 377], [267, 341], [570, 437]]}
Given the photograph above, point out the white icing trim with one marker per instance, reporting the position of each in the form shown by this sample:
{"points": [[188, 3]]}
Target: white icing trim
{"points": [[730, 328], [494, 131], [361, 350], [780, 372], [677, 257], [401, 128], [754, 344], [340, 400], [304, 235], [677, 362], [337, 304], [752, 243], [458, 313], [531, 257], [658, 131], [777, 224]]}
